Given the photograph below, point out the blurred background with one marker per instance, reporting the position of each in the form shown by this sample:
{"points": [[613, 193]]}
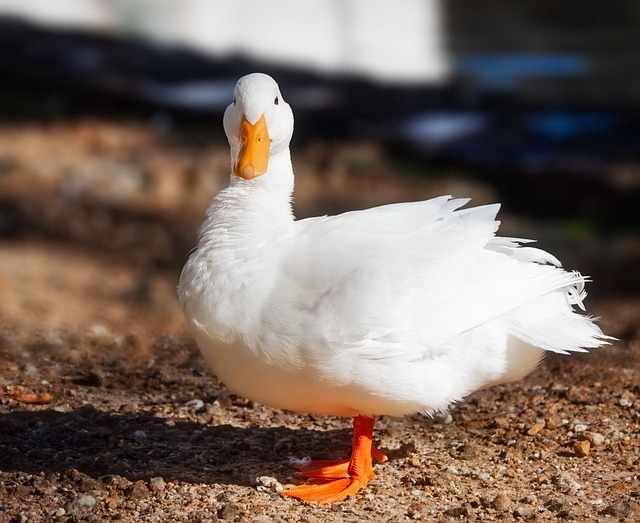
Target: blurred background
{"points": [[111, 141]]}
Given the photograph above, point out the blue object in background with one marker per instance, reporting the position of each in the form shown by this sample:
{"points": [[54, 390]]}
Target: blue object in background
{"points": [[563, 125], [500, 72]]}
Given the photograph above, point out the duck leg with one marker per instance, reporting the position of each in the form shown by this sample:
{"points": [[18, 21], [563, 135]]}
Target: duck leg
{"points": [[342, 478]]}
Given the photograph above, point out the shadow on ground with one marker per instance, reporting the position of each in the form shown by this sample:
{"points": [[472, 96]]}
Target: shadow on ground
{"points": [[143, 446]]}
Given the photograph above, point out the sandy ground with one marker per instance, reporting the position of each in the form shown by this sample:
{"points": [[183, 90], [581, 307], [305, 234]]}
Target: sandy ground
{"points": [[132, 426]]}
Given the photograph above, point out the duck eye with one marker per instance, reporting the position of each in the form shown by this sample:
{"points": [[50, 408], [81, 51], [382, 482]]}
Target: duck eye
{"points": [[234, 100], [276, 101]]}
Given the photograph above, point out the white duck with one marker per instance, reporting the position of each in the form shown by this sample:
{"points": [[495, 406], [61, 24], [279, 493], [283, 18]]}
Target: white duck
{"points": [[393, 310]]}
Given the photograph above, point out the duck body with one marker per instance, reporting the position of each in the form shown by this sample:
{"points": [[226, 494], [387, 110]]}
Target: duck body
{"points": [[393, 310]]}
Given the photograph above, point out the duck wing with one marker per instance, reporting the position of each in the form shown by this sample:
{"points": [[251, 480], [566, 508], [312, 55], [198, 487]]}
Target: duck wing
{"points": [[402, 280]]}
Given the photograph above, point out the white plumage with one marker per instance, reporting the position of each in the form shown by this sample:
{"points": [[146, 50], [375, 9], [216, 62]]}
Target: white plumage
{"points": [[393, 310]]}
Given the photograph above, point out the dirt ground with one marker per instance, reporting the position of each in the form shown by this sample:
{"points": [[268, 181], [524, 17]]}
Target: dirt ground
{"points": [[108, 412]]}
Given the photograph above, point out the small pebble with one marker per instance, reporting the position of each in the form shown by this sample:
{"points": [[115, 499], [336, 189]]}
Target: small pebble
{"points": [[580, 427], [622, 509], [157, 484], [501, 502], [619, 487], [581, 448], [228, 512], [86, 501], [139, 434], [501, 423], [595, 438], [542, 478], [523, 511], [444, 418], [139, 490], [535, 428], [81, 504], [564, 482], [194, 404], [98, 330], [228, 496], [264, 483]]}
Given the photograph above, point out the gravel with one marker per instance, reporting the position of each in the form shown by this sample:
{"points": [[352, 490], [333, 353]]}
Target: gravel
{"points": [[133, 427]]}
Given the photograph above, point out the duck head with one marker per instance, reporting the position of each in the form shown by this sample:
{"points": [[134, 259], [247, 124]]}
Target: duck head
{"points": [[258, 124]]}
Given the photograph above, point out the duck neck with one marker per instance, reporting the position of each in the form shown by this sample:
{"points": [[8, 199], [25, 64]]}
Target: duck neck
{"points": [[254, 210], [276, 184]]}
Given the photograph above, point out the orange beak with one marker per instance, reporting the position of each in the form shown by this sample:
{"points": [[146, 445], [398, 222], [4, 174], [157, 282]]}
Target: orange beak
{"points": [[253, 157]]}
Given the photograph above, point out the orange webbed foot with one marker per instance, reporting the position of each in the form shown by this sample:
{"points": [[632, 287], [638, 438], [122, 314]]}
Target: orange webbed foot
{"points": [[340, 479], [331, 492]]}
